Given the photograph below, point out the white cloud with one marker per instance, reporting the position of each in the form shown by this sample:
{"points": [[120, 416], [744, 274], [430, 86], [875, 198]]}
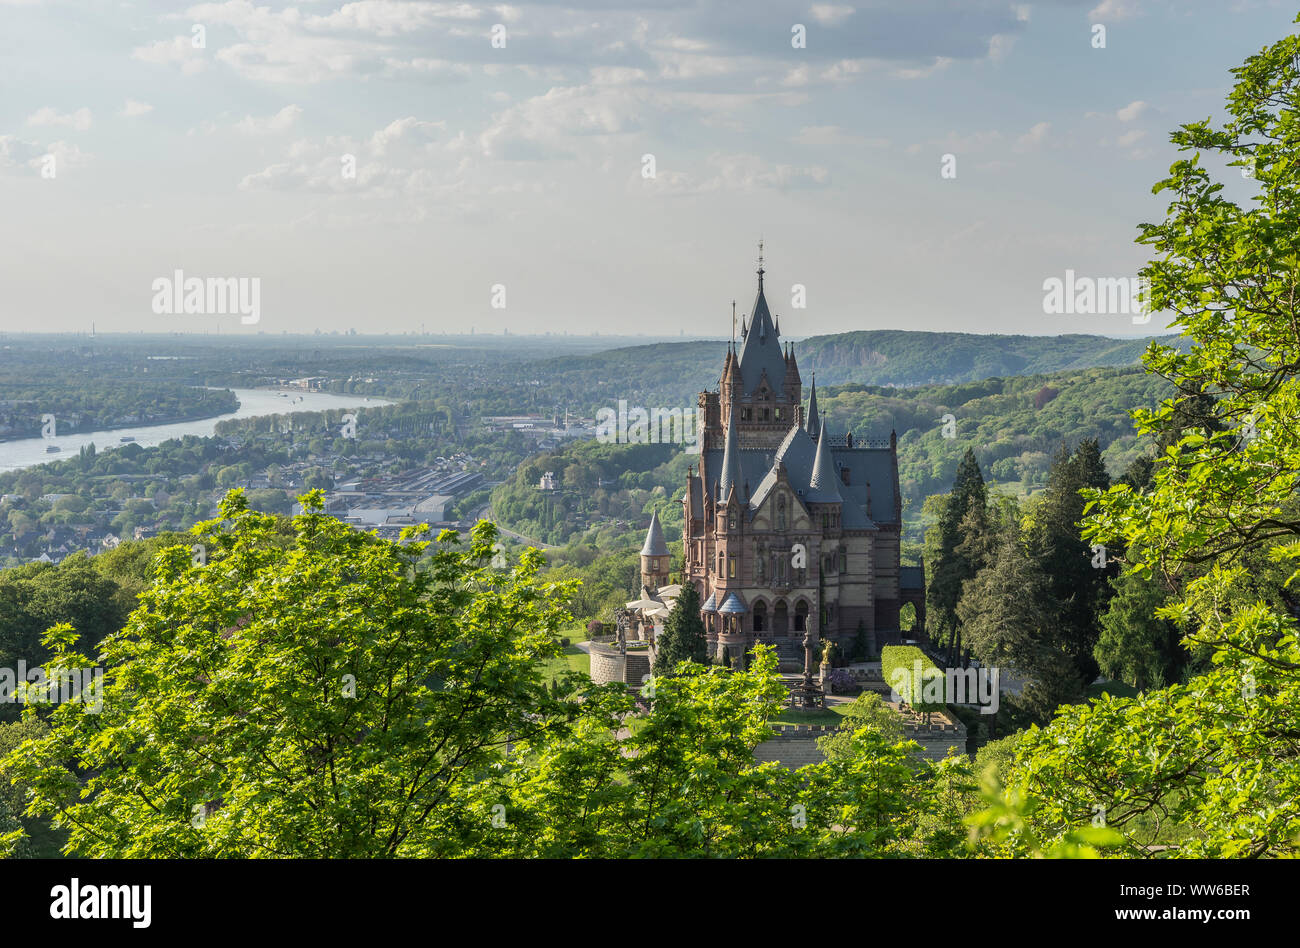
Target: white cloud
{"points": [[132, 108], [177, 51], [923, 72], [281, 121], [16, 153], [1034, 137], [828, 14], [1132, 111], [78, 120], [1114, 10], [399, 129]]}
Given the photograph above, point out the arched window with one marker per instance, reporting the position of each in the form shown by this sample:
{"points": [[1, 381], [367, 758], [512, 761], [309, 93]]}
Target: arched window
{"points": [[780, 513], [780, 618], [801, 617], [731, 520], [760, 617]]}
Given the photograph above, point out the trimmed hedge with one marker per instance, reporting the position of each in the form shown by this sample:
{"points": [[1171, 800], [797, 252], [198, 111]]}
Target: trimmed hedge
{"points": [[898, 665]]}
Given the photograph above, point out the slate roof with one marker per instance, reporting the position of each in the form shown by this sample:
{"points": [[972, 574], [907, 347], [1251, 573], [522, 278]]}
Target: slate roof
{"points": [[814, 422], [761, 350], [867, 465], [824, 480], [732, 605], [729, 476], [654, 538]]}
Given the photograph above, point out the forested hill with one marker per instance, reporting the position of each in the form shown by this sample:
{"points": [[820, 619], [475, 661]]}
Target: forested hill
{"points": [[673, 372], [899, 357]]}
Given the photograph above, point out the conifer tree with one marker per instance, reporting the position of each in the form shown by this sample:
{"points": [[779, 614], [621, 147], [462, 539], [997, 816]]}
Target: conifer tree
{"points": [[948, 568], [682, 639]]}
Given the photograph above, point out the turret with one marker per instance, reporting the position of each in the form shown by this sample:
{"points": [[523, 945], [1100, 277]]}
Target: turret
{"points": [[655, 558]]}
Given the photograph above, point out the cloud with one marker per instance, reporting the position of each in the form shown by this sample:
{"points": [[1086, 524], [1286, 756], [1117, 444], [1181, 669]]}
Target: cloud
{"points": [[923, 72], [177, 51], [132, 108], [78, 120], [834, 135], [1000, 45], [1114, 10], [744, 173], [17, 153], [281, 121], [1034, 137], [1132, 111], [829, 14], [399, 130]]}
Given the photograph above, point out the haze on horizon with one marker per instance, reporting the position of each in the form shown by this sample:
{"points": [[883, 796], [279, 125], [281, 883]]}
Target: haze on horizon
{"points": [[522, 165]]}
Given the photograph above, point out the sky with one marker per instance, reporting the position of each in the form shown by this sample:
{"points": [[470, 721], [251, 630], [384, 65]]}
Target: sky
{"points": [[594, 166]]}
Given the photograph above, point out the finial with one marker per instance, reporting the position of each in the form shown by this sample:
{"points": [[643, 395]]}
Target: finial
{"points": [[733, 321], [760, 263]]}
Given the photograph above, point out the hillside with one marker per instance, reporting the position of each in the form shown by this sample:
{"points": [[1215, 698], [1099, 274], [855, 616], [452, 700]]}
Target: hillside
{"points": [[902, 358], [672, 373], [1014, 425]]}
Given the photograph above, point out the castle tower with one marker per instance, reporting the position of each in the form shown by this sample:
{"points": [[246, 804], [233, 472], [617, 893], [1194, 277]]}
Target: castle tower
{"points": [[655, 558]]}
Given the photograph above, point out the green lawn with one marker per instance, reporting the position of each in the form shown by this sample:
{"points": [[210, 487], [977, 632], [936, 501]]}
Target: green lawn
{"points": [[574, 658]]}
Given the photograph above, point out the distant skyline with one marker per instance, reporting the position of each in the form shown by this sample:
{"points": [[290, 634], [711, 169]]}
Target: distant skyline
{"points": [[500, 155]]}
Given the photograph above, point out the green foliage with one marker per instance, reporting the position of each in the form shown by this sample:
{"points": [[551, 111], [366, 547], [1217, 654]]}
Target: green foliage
{"points": [[683, 638], [686, 784], [321, 699], [1077, 584], [1010, 621], [951, 554], [1136, 646], [80, 403], [1214, 759], [868, 710], [33, 598]]}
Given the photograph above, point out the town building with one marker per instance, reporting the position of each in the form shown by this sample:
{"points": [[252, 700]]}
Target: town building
{"points": [[790, 526]]}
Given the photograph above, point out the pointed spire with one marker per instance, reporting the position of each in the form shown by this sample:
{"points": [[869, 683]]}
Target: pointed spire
{"points": [[822, 485], [813, 426], [730, 461], [655, 545]]}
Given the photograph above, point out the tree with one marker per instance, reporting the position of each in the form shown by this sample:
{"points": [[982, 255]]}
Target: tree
{"points": [[1136, 646], [947, 568], [1009, 621], [319, 697], [682, 639], [868, 710], [1077, 579], [1216, 757]]}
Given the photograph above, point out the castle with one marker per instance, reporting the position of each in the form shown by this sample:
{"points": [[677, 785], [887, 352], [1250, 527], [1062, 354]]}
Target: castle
{"points": [[790, 527]]}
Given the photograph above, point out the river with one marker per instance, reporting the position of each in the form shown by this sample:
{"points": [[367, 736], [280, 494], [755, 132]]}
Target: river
{"points": [[28, 452]]}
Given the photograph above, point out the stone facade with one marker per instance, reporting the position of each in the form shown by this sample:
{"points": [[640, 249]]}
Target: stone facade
{"points": [[611, 663], [788, 526]]}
